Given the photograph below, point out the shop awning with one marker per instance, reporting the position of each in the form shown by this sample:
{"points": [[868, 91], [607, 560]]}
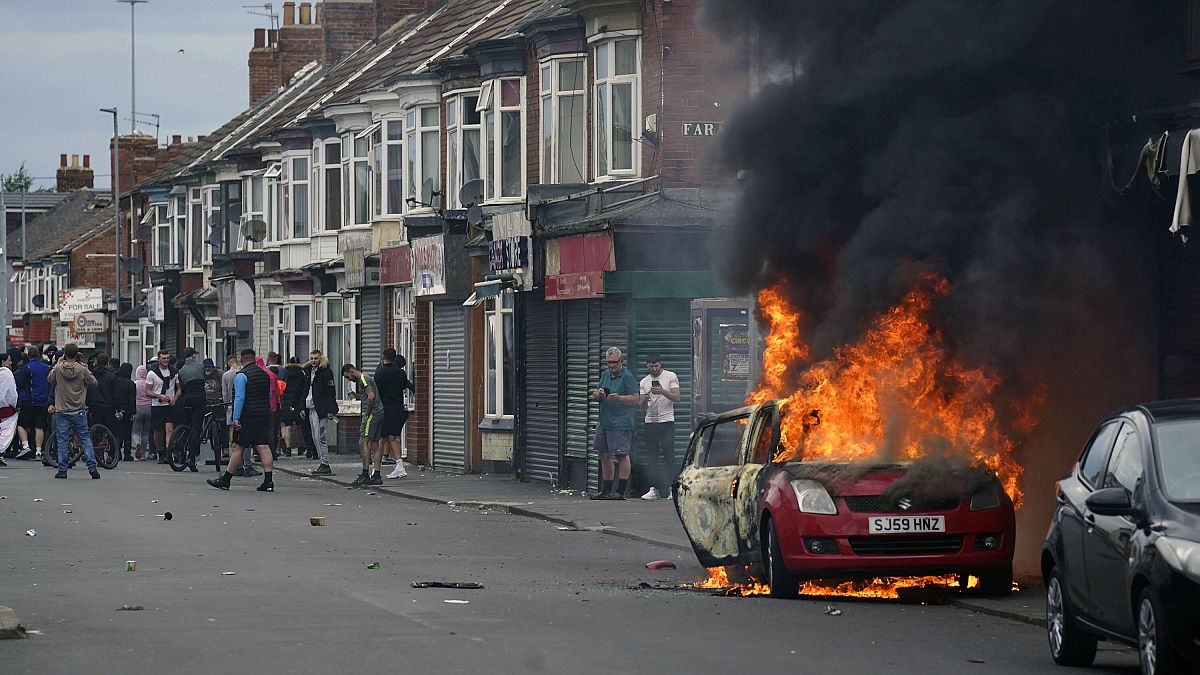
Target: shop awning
{"points": [[483, 291]]}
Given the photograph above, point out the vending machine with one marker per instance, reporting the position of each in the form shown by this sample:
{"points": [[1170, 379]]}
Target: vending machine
{"points": [[726, 353]]}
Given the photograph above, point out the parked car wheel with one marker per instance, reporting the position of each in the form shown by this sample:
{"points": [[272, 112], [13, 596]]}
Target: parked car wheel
{"points": [[1069, 646], [1154, 650], [783, 583], [997, 582]]}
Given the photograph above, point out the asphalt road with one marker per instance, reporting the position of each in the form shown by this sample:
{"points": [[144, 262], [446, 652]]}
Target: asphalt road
{"points": [[302, 599]]}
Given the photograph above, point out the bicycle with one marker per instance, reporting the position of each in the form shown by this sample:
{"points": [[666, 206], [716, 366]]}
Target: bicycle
{"points": [[104, 444], [212, 431]]}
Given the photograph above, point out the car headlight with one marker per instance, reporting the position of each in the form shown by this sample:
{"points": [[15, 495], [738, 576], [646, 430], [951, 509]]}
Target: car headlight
{"points": [[1181, 555], [812, 497], [986, 498]]}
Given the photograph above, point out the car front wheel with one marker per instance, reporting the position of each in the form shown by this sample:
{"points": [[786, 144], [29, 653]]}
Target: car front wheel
{"points": [[1069, 646], [783, 583], [1154, 650]]}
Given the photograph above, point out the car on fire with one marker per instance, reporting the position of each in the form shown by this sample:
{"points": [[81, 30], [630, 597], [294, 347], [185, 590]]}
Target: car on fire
{"points": [[797, 520], [1121, 560]]}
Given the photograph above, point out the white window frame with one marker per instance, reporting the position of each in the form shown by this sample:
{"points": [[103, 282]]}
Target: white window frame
{"points": [[418, 167], [250, 213], [603, 71], [212, 214], [496, 309], [293, 176], [328, 159], [349, 335], [195, 229], [551, 138], [491, 105], [215, 343], [196, 338], [179, 231], [273, 195], [458, 103], [305, 303], [392, 166], [357, 159], [162, 225]]}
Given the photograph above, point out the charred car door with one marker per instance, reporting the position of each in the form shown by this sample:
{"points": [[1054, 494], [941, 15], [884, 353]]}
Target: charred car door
{"points": [[748, 489], [705, 489]]}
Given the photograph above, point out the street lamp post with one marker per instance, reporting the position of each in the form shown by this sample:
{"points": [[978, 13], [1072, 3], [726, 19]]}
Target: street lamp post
{"points": [[132, 82], [116, 200]]}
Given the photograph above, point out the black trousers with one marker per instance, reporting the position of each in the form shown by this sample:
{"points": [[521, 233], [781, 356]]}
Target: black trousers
{"points": [[658, 439], [123, 431]]}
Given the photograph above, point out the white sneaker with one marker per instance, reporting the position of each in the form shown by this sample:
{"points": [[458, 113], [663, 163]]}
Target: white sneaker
{"points": [[398, 472], [651, 495], [24, 451], [38, 455]]}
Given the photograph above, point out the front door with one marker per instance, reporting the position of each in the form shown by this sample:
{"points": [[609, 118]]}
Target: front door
{"points": [[1106, 544], [705, 491]]}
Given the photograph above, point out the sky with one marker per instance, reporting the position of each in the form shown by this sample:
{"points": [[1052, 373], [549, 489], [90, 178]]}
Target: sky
{"points": [[63, 60]]}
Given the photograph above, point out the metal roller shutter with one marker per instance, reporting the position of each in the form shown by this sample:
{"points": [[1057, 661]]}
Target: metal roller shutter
{"points": [[370, 331], [448, 365], [543, 390], [663, 326], [590, 327]]}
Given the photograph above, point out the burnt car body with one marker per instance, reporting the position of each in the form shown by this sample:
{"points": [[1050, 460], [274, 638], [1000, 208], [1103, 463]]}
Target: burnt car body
{"points": [[1121, 559], [805, 520]]}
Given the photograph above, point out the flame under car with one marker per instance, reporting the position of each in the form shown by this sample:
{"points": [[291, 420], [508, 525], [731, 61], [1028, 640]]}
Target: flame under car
{"points": [[796, 520]]}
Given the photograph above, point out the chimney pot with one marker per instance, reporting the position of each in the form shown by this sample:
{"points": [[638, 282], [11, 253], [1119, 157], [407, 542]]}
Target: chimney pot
{"points": [[190, 139], [260, 38], [200, 138], [305, 13], [74, 161], [62, 160], [320, 9], [272, 37], [87, 161], [176, 139], [289, 13]]}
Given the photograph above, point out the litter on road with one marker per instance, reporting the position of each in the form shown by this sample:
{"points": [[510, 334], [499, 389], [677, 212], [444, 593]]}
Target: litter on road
{"points": [[228, 574], [130, 565], [130, 608], [373, 566], [469, 585], [456, 602], [31, 532], [316, 521], [830, 610], [660, 565]]}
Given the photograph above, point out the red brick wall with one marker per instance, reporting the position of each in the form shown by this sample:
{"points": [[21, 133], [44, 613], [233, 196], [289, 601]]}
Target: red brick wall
{"points": [[533, 119], [418, 423], [93, 264], [388, 12], [298, 45], [346, 26], [264, 73]]}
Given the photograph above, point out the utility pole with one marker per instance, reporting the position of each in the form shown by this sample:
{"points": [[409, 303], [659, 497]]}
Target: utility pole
{"points": [[132, 61], [3, 271], [116, 200]]}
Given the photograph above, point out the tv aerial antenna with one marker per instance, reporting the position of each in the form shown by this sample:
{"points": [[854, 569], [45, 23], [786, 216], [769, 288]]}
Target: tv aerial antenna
{"points": [[267, 10]]}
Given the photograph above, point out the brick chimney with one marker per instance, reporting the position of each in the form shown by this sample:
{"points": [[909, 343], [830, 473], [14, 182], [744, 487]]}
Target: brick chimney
{"points": [[388, 12], [276, 55], [71, 177]]}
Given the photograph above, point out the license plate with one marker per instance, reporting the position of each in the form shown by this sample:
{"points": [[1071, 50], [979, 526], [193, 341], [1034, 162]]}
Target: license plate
{"points": [[905, 524]]}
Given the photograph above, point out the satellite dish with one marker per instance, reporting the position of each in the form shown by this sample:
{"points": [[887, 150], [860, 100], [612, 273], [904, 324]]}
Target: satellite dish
{"points": [[471, 193], [475, 215], [233, 213], [133, 266], [254, 229], [214, 239], [143, 233], [38, 301], [59, 269]]}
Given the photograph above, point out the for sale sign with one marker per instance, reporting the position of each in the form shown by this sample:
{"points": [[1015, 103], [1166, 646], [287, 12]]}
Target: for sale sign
{"points": [[78, 300]]}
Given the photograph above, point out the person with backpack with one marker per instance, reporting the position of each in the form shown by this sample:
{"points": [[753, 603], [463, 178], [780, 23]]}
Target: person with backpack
{"points": [[124, 406]]}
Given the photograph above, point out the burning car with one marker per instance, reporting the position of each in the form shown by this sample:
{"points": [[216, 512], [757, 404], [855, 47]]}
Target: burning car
{"points": [[744, 499]]}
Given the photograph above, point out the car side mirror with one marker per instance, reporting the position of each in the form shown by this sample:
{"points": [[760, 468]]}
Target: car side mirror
{"points": [[1112, 501]]}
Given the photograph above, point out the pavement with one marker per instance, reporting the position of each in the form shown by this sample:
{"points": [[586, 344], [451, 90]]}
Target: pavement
{"points": [[652, 522]]}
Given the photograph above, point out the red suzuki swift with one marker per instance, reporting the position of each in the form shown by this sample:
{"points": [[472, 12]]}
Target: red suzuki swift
{"points": [[807, 520]]}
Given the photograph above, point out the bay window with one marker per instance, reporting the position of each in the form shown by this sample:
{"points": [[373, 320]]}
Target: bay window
{"points": [[563, 121], [163, 240], [337, 338], [195, 224], [301, 325], [393, 158], [329, 157], [617, 93], [423, 168], [462, 144], [213, 201], [499, 393], [502, 103], [295, 196], [255, 208], [356, 179], [273, 185]]}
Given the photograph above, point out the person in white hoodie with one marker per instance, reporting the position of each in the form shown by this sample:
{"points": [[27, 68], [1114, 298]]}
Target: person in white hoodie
{"points": [[8, 402]]}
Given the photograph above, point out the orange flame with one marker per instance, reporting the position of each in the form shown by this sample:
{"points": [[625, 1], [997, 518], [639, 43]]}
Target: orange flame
{"points": [[896, 394], [887, 588]]}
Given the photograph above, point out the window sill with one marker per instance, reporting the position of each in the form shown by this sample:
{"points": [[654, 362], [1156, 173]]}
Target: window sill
{"points": [[503, 201], [497, 424]]}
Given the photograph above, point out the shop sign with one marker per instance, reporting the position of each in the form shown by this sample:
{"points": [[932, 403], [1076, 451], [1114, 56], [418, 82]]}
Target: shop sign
{"points": [[77, 300], [89, 322], [575, 286], [735, 343], [395, 265], [226, 309], [155, 305], [16, 336], [509, 253], [356, 267], [701, 128], [429, 265]]}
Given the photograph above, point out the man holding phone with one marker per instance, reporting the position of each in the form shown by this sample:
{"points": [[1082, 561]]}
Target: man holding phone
{"points": [[659, 394]]}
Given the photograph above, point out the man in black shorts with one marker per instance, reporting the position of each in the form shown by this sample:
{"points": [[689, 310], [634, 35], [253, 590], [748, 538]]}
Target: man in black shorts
{"points": [[392, 382], [251, 421]]}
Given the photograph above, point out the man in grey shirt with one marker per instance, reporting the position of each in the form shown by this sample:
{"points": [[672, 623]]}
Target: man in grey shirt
{"points": [[371, 428]]}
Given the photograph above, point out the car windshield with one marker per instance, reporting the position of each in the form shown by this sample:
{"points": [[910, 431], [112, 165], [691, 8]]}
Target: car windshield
{"points": [[1179, 458]]}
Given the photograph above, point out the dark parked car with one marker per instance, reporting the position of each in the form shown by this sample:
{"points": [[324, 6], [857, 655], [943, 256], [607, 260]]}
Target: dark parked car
{"points": [[1122, 557], [819, 519]]}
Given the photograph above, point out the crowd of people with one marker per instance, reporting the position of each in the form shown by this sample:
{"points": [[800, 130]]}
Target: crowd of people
{"points": [[252, 408]]}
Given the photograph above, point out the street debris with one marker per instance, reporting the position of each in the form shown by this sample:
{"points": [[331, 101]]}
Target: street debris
{"points": [[457, 602], [228, 574], [660, 565], [565, 527], [462, 585], [830, 610], [31, 532], [130, 608], [452, 504], [37, 499], [316, 521], [373, 566], [3, 497], [249, 508], [410, 523], [167, 516], [369, 494], [976, 661], [153, 501], [68, 511], [130, 565]]}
